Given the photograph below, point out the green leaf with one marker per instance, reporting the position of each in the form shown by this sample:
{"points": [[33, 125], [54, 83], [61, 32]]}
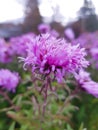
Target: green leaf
{"points": [[69, 127], [81, 127], [12, 126]]}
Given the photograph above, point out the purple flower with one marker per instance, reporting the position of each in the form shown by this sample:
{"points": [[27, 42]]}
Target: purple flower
{"points": [[9, 80], [90, 42], [54, 33], [19, 44], [69, 33], [44, 28], [91, 87], [5, 52], [85, 40], [47, 54], [82, 76], [86, 83]]}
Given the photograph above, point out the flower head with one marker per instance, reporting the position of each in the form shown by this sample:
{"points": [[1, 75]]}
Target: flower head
{"points": [[44, 28], [9, 80], [82, 76], [90, 42], [19, 44], [69, 33], [47, 54], [5, 52], [86, 83], [91, 87]]}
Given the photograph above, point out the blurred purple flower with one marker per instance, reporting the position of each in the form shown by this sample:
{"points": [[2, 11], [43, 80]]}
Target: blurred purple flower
{"points": [[19, 44], [69, 33], [91, 87], [54, 33], [9, 80], [5, 52], [82, 77], [44, 28], [90, 42], [47, 54], [85, 40], [86, 83]]}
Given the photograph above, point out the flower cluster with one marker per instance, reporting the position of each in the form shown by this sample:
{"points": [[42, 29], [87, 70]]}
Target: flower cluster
{"points": [[47, 54], [86, 83], [18, 44], [9, 80]]}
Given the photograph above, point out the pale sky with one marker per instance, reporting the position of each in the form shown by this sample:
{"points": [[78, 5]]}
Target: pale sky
{"points": [[11, 9], [67, 8]]}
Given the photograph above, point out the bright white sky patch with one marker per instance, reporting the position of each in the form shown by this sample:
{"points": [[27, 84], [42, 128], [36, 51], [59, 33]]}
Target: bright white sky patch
{"points": [[45, 9], [95, 2], [10, 10], [67, 8]]}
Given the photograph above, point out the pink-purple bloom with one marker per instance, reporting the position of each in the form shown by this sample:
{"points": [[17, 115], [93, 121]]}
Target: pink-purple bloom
{"points": [[9, 80], [86, 83], [5, 52], [82, 76], [85, 40], [47, 54], [69, 33], [44, 28], [19, 44], [90, 42], [91, 87]]}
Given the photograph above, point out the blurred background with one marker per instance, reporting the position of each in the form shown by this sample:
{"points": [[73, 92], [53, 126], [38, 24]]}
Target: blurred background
{"points": [[22, 16]]}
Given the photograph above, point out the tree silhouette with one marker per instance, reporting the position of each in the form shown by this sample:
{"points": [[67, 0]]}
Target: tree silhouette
{"points": [[88, 16], [32, 16]]}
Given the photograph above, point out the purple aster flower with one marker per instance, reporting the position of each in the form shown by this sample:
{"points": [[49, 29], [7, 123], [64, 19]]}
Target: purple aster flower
{"points": [[44, 28], [91, 87], [5, 52], [54, 33], [9, 80], [19, 44], [90, 42], [47, 54], [69, 33], [82, 76], [86, 83]]}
